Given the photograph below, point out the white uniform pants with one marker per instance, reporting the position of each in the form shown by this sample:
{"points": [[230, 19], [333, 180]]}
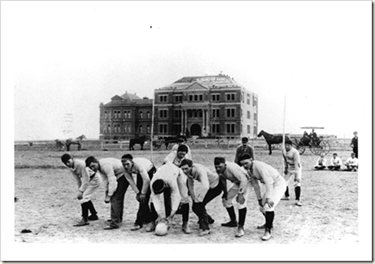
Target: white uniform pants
{"points": [[94, 184], [279, 188], [232, 194], [297, 176]]}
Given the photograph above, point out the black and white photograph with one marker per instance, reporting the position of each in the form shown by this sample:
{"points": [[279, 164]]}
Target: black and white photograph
{"points": [[186, 131]]}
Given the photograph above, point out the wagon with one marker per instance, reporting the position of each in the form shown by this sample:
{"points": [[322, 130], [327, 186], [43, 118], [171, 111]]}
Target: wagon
{"points": [[317, 145]]}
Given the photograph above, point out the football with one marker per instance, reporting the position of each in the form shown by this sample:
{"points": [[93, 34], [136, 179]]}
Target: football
{"points": [[161, 229]]}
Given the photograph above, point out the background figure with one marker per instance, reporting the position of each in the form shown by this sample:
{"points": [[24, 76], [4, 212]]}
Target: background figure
{"points": [[335, 162], [354, 144], [352, 163], [88, 182], [242, 149], [321, 162], [293, 168]]}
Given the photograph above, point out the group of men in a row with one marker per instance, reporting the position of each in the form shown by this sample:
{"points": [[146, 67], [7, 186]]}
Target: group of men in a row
{"points": [[351, 163], [166, 191]]}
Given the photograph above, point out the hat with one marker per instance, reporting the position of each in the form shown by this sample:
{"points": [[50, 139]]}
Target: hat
{"points": [[127, 156], [158, 186], [288, 141], [245, 140], [244, 157], [219, 160]]}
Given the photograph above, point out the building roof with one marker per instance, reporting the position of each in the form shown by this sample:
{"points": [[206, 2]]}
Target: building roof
{"points": [[129, 99], [208, 81]]}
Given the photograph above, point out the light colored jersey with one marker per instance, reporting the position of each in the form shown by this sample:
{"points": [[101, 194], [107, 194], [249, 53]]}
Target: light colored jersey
{"points": [[292, 159], [171, 175], [236, 175], [336, 161], [111, 169], [200, 181], [352, 162], [172, 157], [142, 166], [80, 174]]}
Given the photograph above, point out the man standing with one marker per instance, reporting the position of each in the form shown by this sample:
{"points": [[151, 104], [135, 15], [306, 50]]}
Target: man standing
{"points": [[275, 186], [167, 187], [354, 144], [242, 149], [240, 190], [144, 169], [293, 168], [115, 186], [87, 186], [204, 186]]}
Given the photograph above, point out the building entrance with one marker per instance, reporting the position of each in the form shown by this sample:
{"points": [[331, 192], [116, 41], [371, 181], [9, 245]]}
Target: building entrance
{"points": [[196, 130]]}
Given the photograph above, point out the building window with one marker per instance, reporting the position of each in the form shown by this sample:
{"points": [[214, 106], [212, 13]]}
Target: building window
{"points": [[215, 112], [105, 115], [231, 97], [163, 98], [140, 129], [109, 128], [242, 97], [230, 128], [248, 115], [248, 101], [231, 112], [127, 114], [177, 98], [215, 97], [163, 113], [177, 113], [248, 129], [255, 101], [140, 114], [195, 97], [255, 117], [215, 128], [255, 130], [190, 98], [163, 128], [148, 129], [200, 97], [148, 114]]}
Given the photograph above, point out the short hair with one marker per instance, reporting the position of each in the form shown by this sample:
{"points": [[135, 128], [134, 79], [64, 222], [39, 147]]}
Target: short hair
{"points": [[219, 160], [244, 157], [66, 157], [245, 140], [158, 186], [182, 148], [186, 162], [334, 154], [127, 156], [90, 159]]}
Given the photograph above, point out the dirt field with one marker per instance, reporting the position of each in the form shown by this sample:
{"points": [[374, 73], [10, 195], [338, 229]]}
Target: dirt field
{"points": [[48, 207]]}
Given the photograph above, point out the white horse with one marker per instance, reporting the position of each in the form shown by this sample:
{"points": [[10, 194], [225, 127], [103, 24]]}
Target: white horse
{"points": [[77, 141]]}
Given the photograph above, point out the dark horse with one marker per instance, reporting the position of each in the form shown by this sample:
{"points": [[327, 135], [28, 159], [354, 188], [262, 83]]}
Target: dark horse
{"points": [[176, 139], [141, 141], [272, 139]]}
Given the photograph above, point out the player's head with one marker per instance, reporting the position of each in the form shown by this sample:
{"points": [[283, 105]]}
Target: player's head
{"points": [[92, 163], [186, 166], [220, 165], [245, 160], [67, 160], [322, 155], [335, 155], [288, 144], [158, 186], [355, 133], [352, 155], [244, 140], [127, 161], [182, 150]]}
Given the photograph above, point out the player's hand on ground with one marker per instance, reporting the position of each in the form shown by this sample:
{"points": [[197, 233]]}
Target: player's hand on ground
{"points": [[79, 195], [240, 198]]}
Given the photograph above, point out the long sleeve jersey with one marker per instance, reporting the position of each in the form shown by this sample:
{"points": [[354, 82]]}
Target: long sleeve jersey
{"points": [[266, 174], [171, 175], [321, 162], [236, 175], [111, 169], [172, 156], [292, 159], [142, 166], [206, 178], [80, 174], [352, 162]]}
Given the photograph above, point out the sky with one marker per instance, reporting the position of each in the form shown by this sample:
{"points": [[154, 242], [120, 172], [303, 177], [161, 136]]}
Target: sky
{"points": [[312, 59]]}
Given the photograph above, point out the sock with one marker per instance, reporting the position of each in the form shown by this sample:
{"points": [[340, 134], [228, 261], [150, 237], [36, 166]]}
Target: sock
{"points": [[269, 219], [241, 217], [287, 192], [297, 190]]}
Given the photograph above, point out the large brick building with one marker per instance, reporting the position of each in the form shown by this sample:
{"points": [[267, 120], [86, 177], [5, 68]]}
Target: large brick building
{"points": [[214, 106]]}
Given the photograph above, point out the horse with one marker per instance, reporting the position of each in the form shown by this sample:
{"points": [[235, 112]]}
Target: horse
{"points": [[176, 139], [59, 145], [272, 139], [141, 141], [77, 141]]}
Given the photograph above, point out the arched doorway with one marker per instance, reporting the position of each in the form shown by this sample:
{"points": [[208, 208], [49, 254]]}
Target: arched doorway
{"points": [[195, 130]]}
